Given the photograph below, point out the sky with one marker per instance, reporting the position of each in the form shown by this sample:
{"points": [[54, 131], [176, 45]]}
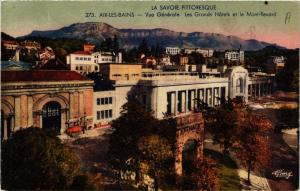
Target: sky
{"points": [[22, 17]]}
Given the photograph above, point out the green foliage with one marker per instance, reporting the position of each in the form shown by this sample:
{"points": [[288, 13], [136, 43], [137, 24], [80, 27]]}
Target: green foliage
{"points": [[196, 58], [288, 78], [34, 159], [6, 54], [156, 154], [143, 48]]}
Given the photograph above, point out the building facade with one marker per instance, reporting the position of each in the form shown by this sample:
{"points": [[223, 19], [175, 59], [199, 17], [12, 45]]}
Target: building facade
{"points": [[173, 50], [175, 92], [275, 64], [234, 56], [85, 62], [52, 100]]}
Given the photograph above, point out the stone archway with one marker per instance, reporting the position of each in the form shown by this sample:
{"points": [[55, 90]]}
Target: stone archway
{"points": [[39, 105], [52, 117], [189, 155], [189, 127]]}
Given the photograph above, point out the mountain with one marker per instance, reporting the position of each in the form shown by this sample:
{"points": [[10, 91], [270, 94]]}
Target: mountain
{"points": [[5, 36], [96, 32]]}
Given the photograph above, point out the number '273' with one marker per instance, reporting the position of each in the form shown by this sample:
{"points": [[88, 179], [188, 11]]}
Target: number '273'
{"points": [[89, 14]]}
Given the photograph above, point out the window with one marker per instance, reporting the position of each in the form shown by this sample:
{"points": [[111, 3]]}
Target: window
{"points": [[96, 68], [81, 58], [144, 99], [102, 114], [98, 115], [102, 101], [110, 100], [106, 100], [80, 68], [98, 101], [76, 67], [89, 59], [239, 85], [76, 58]]}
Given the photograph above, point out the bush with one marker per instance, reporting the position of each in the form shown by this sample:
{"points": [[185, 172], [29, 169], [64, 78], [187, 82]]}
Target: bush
{"points": [[82, 182], [34, 159]]}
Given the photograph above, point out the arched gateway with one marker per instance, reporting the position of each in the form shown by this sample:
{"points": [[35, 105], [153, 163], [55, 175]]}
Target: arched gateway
{"points": [[190, 129], [52, 116]]}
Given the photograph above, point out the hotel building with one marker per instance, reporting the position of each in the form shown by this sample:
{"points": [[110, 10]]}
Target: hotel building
{"points": [[174, 93]]}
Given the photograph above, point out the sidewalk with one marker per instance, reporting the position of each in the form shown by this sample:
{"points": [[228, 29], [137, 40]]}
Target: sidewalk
{"points": [[257, 182], [88, 133]]}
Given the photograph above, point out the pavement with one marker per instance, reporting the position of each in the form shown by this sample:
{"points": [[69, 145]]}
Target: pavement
{"points": [[290, 137]]}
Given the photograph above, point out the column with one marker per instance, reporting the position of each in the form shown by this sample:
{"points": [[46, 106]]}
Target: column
{"points": [[173, 103], [29, 111], [71, 105], [185, 102], [154, 106], [176, 104], [193, 100], [5, 129], [63, 122], [81, 104], [17, 112], [41, 120]]}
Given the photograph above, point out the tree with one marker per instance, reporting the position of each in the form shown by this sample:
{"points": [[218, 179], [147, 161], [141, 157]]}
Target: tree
{"points": [[252, 146], [204, 176], [143, 48], [149, 144], [156, 156], [33, 159], [116, 44], [222, 122], [196, 58], [107, 45], [135, 121]]}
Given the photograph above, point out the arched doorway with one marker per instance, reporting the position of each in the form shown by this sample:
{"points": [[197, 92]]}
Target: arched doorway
{"points": [[52, 116], [189, 156], [5, 126]]}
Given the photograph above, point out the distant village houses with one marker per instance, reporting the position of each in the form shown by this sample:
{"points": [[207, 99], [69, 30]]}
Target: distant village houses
{"points": [[275, 64]]}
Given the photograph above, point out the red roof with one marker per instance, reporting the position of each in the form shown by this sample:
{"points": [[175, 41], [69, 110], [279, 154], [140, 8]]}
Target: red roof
{"points": [[41, 75], [82, 53]]}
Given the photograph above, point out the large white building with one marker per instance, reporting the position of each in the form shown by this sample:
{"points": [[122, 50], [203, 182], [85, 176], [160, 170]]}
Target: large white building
{"points": [[206, 52], [85, 62], [174, 93], [236, 56], [173, 50]]}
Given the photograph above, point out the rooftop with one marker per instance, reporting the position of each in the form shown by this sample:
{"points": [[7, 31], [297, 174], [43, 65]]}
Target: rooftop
{"points": [[40, 75]]}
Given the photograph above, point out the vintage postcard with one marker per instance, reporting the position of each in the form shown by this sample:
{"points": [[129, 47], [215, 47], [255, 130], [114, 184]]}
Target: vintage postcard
{"points": [[150, 95]]}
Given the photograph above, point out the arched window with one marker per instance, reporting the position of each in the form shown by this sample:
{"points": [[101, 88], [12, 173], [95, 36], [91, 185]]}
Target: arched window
{"points": [[239, 85]]}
